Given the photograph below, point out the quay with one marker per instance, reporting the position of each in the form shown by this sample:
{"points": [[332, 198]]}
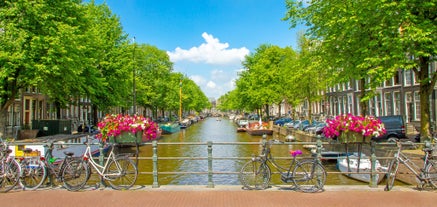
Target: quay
{"points": [[222, 196]]}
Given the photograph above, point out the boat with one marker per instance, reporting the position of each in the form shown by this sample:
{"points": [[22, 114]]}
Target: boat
{"points": [[259, 132], [169, 128], [360, 170], [241, 129], [259, 128], [184, 123]]}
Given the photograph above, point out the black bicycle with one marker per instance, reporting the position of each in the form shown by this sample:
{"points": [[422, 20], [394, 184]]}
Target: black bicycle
{"points": [[71, 171], [306, 176]]}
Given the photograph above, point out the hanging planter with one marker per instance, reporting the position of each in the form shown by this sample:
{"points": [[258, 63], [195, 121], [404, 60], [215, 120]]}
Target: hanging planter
{"points": [[127, 137], [353, 137], [353, 129]]}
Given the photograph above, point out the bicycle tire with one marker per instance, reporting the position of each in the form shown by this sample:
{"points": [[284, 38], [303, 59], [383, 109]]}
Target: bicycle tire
{"points": [[127, 170], [11, 176], [255, 175], [431, 174], [309, 176], [75, 174], [33, 174], [391, 174]]}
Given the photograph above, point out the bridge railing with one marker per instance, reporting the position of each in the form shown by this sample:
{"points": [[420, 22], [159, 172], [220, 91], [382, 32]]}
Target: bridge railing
{"points": [[318, 147]]}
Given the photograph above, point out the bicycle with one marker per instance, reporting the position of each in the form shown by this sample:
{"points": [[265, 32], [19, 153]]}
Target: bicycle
{"points": [[118, 170], [33, 170], [69, 171], [306, 176], [427, 175], [10, 169]]}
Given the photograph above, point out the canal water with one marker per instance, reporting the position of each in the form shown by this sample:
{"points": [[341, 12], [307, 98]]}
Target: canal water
{"points": [[217, 131]]}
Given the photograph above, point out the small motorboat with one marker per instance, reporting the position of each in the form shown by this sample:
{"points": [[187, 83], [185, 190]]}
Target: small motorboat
{"points": [[360, 168]]}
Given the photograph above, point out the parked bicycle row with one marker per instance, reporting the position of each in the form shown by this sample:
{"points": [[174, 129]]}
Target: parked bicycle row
{"points": [[120, 172], [30, 172]]}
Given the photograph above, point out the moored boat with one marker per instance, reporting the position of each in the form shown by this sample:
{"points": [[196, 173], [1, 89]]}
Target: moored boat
{"points": [[169, 128], [259, 132], [360, 170]]}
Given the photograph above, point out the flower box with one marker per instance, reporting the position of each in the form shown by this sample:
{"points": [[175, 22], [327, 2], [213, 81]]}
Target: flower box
{"points": [[353, 137], [126, 129], [127, 137], [353, 129]]}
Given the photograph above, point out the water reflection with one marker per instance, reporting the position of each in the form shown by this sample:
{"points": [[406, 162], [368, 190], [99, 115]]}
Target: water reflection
{"points": [[217, 132]]}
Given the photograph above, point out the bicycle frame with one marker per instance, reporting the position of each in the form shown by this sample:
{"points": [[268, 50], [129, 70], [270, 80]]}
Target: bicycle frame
{"points": [[267, 157], [413, 167], [101, 168]]}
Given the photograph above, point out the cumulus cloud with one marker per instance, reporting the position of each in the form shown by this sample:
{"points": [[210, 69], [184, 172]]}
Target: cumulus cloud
{"points": [[211, 84], [210, 52], [199, 80]]}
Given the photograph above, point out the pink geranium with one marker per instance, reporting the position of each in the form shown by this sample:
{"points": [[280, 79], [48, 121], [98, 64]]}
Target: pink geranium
{"points": [[367, 126]]}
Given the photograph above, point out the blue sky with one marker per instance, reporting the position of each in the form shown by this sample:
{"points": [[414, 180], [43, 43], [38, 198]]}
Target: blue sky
{"points": [[206, 39]]}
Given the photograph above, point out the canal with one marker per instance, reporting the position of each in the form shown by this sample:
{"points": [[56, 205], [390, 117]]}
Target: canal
{"points": [[223, 131]]}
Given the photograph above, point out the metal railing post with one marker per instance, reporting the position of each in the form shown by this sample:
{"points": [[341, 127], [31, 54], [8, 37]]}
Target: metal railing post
{"points": [[319, 148], [373, 178], [210, 171], [155, 164]]}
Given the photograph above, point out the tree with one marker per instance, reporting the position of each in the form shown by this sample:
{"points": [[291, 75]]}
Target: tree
{"points": [[262, 83], [40, 45], [372, 39]]}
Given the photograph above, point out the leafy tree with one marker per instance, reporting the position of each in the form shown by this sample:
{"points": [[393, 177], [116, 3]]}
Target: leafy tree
{"points": [[41, 44], [153, 68], [107, 80], [378, 36], [262, 83]]}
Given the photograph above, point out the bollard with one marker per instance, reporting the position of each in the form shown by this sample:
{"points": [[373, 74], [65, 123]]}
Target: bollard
{"points": [[155, 164], [373, 179], [210, 172]]}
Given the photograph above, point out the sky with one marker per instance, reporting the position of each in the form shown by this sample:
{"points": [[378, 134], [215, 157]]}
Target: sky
{"points": [[206, 39]]}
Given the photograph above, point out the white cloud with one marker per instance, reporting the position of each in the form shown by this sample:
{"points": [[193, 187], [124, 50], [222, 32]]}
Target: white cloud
{"points": [[211, 85], [199, 80], [210, 52]]}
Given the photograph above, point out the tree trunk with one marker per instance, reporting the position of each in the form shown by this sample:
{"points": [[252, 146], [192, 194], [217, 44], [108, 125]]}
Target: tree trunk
{"points": [[363, 104], [3, 113], [425, 91]]}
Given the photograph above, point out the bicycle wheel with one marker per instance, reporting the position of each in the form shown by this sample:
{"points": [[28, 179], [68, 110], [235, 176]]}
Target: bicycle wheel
{"points": [[10, 175], [309, 176], [391, 174], [121, 173], [75, 174], [33, 174], [255, 175], [431, 174]]}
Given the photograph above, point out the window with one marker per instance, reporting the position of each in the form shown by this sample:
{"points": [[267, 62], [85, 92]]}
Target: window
{"points": [[397, 103], [388, 104], [417, 105], [396, 80], [407, 77]]}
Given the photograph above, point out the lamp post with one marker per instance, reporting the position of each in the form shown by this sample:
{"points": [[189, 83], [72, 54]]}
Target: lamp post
{"points": [[180, 101], [134, 107]]}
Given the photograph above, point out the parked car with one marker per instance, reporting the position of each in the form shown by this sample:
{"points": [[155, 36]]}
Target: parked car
{"points": [[282, 121], [395, 127]]}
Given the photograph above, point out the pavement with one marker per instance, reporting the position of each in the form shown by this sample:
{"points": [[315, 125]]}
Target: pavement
{"points": [[219, 196]]}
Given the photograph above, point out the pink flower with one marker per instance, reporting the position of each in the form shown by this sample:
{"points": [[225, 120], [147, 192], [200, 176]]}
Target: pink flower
{"points": [[367, 126], [113, 125]]}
